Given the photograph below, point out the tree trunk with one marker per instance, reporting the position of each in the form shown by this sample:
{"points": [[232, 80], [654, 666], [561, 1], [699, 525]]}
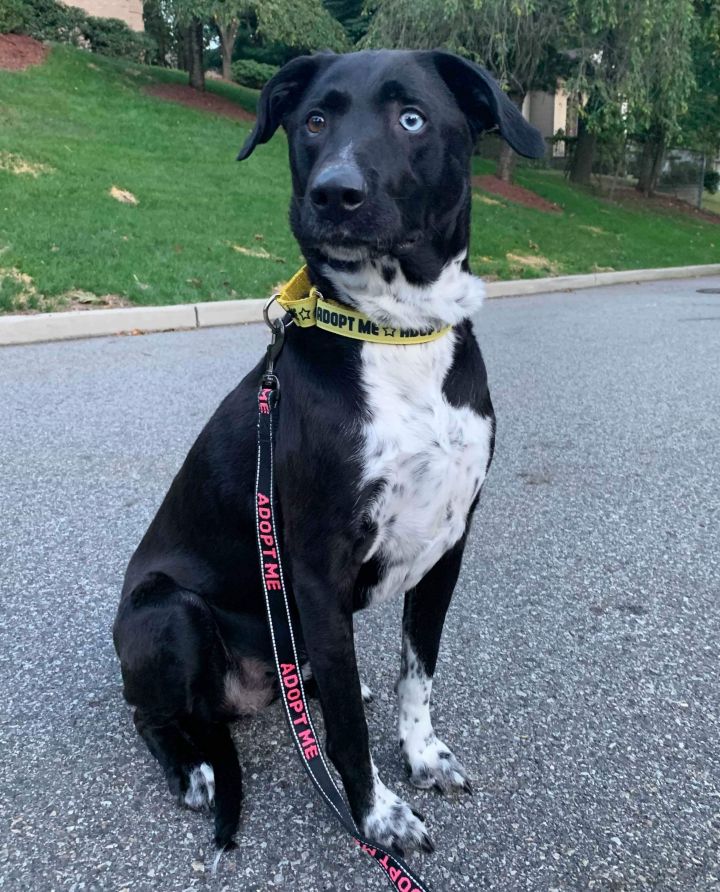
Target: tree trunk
{"points": [[645, 166], [227, 45], [651, 162], [195, 55], [505, 163], [181, 43], [583, 157], [657, 165], [506, 159]]}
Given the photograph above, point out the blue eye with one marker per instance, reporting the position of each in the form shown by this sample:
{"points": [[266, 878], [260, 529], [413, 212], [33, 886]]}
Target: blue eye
{"points": [[412, 121]]}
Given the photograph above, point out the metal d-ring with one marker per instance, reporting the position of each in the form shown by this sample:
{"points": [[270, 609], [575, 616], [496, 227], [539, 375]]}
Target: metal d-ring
{"points": [[277, 328]]}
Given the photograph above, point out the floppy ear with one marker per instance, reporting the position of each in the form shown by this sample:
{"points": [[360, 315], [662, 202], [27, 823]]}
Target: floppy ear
{"points": [[485, 105], [279, 95]]}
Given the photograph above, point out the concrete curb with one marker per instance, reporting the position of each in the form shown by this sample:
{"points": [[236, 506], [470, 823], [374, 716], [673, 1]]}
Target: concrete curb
{"points": [[96, 323]]}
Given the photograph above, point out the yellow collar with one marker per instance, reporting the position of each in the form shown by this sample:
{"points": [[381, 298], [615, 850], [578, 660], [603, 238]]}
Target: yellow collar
{"points": [[308, 307]]}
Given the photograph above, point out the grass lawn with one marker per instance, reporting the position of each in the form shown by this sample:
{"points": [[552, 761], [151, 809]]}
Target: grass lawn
{"points": [[591, 234], [208, 228], [711, 202]]}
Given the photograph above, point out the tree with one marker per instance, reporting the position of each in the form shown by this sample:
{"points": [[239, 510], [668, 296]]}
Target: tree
{"points": [[635, 68], [666, 82], [700, 126], [515, 39], [302, 24]]}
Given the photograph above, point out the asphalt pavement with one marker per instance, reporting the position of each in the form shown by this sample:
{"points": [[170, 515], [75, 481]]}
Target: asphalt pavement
{"points": [[579, 679]]}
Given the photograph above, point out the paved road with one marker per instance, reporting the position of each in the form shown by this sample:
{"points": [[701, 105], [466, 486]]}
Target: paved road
{"points": [[579, 679]]}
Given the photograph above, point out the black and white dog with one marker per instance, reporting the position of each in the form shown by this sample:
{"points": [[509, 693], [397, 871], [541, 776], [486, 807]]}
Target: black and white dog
{"points": [[381, 450]]}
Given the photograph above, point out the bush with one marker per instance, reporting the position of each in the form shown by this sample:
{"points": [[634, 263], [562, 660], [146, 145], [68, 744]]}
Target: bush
{"points": [[112, 37], [711, 181], [12, 16], [250, 73], [46, 19], [49, 20]]}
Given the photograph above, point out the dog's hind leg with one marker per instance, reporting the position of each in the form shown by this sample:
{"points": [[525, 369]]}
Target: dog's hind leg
{"points": [[216, 745], [178, 757], [429, 761], [174, 666]]}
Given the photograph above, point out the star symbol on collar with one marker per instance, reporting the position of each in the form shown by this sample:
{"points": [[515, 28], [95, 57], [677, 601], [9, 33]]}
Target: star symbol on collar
{"points": [[304, 314], [389, 332]]}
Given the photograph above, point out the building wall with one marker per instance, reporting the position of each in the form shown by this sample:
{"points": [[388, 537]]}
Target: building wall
{"points": [[130, 11], [548, 112]]}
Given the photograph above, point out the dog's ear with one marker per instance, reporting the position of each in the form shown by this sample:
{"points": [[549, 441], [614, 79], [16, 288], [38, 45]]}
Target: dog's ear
{"points": [[279, 95], [485, 105]]}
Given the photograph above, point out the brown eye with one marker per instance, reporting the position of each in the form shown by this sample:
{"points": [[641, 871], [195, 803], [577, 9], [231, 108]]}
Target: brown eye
{"points": [[315, 123]]}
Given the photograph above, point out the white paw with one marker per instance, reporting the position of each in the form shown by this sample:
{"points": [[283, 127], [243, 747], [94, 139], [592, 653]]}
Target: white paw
{"points": [[393, 824], [367, 694], [201, 787], [431, 764]]}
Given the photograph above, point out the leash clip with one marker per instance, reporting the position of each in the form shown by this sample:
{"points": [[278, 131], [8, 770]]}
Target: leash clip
{"points": [[277, 339]]}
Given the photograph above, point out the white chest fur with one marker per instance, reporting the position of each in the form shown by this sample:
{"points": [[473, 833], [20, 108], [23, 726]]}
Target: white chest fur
{"points": [[431, 456]]}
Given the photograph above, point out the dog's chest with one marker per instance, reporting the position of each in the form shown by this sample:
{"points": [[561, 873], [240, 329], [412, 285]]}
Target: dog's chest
{"points": [[428, 457]]}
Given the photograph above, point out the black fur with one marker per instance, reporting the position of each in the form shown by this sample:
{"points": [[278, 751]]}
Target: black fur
{"points": [[192, 607]]}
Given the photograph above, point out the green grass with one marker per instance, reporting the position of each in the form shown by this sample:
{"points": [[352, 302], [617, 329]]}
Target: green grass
{"points": [[87, 121], [711, 202], [591, 234]]}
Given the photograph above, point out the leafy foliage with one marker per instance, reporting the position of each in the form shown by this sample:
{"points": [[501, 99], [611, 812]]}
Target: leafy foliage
{"points": [[513, 38], [11, 16], [701, 124], [302, 24], [252, 73], [711, 181], [49, 20]]}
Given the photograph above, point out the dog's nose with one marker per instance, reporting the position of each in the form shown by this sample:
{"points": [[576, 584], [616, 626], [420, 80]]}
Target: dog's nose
{"points": [[338, 189]]}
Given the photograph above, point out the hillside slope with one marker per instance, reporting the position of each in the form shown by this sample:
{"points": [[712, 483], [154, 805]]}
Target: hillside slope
{"points": [[207, 228]]}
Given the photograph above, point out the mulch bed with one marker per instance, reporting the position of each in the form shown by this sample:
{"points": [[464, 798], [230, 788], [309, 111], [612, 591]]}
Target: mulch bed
{"points": [[515, 193], [209, 102], [18, 52]]}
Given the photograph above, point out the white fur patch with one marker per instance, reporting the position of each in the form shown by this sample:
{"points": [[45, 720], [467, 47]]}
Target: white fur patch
{"points": [[454, 296], [430, 762], [431, 456], [391, 822], [201, 787]]}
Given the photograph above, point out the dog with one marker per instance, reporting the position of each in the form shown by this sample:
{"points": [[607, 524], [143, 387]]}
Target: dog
{"points": [[381, 450]]}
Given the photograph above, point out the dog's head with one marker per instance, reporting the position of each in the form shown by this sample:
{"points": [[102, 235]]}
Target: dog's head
{"points": [[380, 146]]}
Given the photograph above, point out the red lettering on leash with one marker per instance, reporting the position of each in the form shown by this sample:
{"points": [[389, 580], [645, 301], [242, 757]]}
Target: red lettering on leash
{"points": [[263, 404], [294, 700], [271, 573]]}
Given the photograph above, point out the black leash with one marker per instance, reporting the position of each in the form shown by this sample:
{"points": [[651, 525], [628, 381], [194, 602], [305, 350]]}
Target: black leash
{"points": [[283, 640]]}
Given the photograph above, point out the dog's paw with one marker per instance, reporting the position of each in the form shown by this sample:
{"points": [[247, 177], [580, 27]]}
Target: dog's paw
{"points": [[431, 764], [367, 694], [393, 824], [200, 792]]}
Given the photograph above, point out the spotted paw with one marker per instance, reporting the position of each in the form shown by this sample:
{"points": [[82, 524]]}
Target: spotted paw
{"points": [[393, 824], [200, 792], [431, 764]]}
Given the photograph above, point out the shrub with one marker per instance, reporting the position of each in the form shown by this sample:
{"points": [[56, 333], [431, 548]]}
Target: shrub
{"points": [[112, 37], [50, 20], [12, 16], [46, 20], [711, 181], [250, 73]]}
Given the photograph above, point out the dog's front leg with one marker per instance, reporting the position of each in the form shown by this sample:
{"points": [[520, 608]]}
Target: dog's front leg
{"points": [[328, 632], [429, 761]]}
